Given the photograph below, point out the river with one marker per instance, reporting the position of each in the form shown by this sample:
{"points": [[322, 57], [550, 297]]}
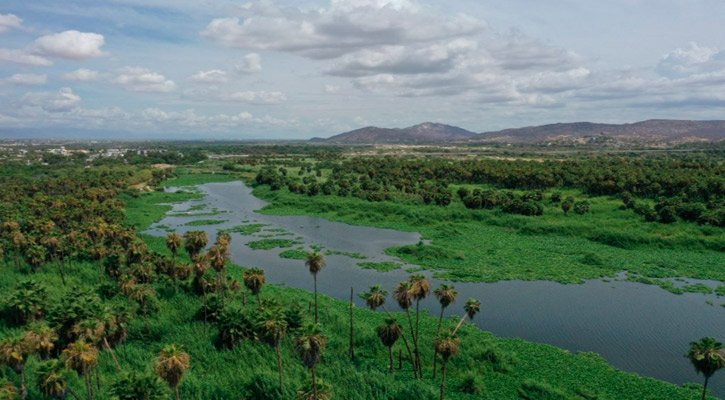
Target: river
{"points": [[636, 327]]}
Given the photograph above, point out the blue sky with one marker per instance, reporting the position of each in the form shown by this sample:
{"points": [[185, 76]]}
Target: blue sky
{"points": [[297, 69]]}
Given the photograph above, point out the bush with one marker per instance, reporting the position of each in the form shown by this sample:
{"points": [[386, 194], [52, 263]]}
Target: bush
{"points": [[582, 207], [535, 390], [471, 384], [263, 387]]}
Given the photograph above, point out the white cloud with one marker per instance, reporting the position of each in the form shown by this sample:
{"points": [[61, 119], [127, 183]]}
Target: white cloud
{"points": [[260, 97], [342, 28], [72, 45], [25, 80], [21, 57], [252, 63], [690, 60], [9, 21], [135, 79], [82, 75], [62, 101], [331, 88], [212, 76]]}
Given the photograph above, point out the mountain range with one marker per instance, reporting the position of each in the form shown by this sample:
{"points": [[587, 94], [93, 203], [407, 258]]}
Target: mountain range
{"points": [[654, 130]]}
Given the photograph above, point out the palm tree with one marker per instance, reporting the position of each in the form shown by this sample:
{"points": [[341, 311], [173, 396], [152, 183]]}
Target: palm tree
{"points": [[8, 391], [223, 239], [217, 256], [41, 339], [272, 328], [195, 242], [447, 345], [35, 256], [446, 295], [18, 241], [420, 288], [375, 298], [52, 379], [13, 353], [315, 262], [389, 333], [174, 242], [171, 364], [310, 347], [472, 308], [254, 280], [143, 295], [707, 356], [403, 297], [82, 357]]}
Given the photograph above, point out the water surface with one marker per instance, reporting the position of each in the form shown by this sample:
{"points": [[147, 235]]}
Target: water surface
{"points": [[638, 328]]}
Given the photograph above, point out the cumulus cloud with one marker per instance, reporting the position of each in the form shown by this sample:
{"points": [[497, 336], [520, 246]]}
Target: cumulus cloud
{"points": [[135, 79], [341, 28], [25, 80], [72, 45], [260, 97], [331, 88], [62, 101], [692, 59], [9, 21], [82, 75], [252, 63], [22, 57], [211, 76]]}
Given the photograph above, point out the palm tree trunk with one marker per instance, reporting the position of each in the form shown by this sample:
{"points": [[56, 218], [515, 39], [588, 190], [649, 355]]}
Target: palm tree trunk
{"points": [[405, 341], [438, 333], [23, 385], [460, 323], [417, 337], [279, 368], [113, 355], [89, 385], [443, 380], [392, 363], [352, 324], [176, 392], [259, 301], [704, 388], [314, 383], [415, 342], [314, 276], [60, 271]]}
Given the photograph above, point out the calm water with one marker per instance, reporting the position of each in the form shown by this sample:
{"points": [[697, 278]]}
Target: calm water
{"points": [[637, 328]]}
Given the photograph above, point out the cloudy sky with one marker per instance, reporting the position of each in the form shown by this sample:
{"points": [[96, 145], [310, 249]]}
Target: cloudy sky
{"points": [[297, 69]]}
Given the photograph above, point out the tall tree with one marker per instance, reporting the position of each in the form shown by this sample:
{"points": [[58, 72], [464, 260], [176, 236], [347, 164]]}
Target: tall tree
{"points": [[14, 353], [315, 262], [471, 308], [707, 356], [195, 242], [82, 357], [419, 290], [389, 333], [52, 379], [446, 295], [310, 347], [254, 280], [447, 345], [218, 256], [404, 299], [272, 328], [171, 365], [174, 242]]}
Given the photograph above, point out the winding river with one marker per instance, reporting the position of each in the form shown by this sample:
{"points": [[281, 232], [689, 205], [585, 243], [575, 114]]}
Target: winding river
{"points": [[638, 328]]}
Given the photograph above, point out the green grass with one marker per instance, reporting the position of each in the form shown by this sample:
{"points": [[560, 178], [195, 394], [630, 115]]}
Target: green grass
{"points": [[148, 208], [383, 266], [202, 222], [346, 254], [268, 244], [295, 254], [489, 246], [247, 230]]}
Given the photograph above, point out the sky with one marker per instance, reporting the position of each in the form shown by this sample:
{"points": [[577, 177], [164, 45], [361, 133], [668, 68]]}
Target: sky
{"points": [[216, 69]]}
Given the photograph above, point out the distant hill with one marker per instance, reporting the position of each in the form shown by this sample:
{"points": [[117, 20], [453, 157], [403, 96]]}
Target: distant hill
{"points": [[659, 130], [422, 133], [652, 130]]}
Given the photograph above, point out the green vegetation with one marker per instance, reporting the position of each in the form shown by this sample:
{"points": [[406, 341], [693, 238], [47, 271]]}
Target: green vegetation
{"points": [[346, 254], [197, 179], [295, 254], [268, 244], [202, 222], [247, 230], [383, 266]]}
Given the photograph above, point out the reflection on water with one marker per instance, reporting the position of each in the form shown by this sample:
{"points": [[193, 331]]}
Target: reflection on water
{"points": [[638, 328]]}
